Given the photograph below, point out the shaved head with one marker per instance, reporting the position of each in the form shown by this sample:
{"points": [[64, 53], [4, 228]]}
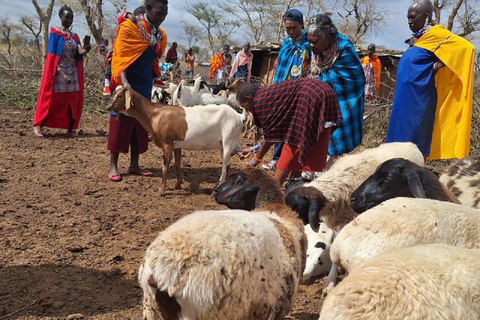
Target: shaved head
{"points": [[423, 6]]}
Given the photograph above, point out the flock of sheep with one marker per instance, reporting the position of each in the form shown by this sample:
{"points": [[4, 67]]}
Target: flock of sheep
{"points": [[408, 240]]}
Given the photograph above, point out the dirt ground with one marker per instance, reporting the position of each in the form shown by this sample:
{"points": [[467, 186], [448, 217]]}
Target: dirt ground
{"points": [[72, 240]]}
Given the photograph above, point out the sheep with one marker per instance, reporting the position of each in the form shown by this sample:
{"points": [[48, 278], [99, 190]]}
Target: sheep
{"points": [[328, 196], [404, 222], [241, 191], [227, 264], [423, 282], [172, 127], [399, 178], [462, 178]]}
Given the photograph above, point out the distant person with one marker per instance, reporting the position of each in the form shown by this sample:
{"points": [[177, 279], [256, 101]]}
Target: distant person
{"points": [[189, 63], [172, 55], [300, 112], [432, 106], [242, 64], [336, 62], [137, 50], [293, 61], [60, 98], [372, 68], [221, 65]]}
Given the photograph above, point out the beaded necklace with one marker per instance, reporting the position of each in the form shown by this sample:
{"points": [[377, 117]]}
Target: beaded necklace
{"points": [[325, 60], [148, 30]]}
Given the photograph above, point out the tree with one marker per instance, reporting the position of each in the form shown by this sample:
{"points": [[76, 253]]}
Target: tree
{"points": [[6, 28], [218, 28], [34, 26], [463, 15], [193, 33], [44, 16], [360, 17]]}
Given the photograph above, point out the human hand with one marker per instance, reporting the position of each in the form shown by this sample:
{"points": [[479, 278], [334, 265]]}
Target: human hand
{"points": [[245, 153], [87, 47]]}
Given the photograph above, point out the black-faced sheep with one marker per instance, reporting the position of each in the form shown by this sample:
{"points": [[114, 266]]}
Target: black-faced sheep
{"points": [[174, 128], [399, 178], [249, 191], [230, 264], [423, 282], [404, 222], [462, 178], [327, 198]]}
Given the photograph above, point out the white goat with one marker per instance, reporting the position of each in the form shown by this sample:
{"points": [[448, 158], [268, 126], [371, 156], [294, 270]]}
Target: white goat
{"points": [[423, 282], [230, 264], [187, 96], [172, 127], [163, 95]]}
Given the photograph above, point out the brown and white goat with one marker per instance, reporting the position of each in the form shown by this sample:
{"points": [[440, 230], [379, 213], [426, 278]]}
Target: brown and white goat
{"points": [[174, 128]]}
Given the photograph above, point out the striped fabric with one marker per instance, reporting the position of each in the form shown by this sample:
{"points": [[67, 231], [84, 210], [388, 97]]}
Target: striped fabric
{"points": [[290, 55], [295, 111], [346, 78]]}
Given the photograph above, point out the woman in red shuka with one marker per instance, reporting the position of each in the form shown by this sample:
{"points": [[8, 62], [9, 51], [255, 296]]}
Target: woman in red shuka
{"points": [[60, 99]]}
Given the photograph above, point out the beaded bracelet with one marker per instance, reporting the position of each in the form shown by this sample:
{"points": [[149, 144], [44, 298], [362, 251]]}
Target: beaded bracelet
{"points": [[256, 160]]}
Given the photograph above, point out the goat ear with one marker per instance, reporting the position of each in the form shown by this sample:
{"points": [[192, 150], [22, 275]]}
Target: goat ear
{"points": [[415, 185], [179, 91], [128, 99], [313, 217]]}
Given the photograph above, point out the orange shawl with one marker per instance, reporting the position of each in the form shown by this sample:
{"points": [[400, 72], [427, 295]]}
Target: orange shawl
{"points": [[129, 45], [216, 62], [377, 69]]}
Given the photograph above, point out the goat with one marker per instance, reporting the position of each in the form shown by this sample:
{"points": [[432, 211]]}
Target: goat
{"points": [[399, 177], [173, 127]]}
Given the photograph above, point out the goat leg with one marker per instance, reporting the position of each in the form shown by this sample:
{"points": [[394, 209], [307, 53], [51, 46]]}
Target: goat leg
{"points": [[178, 164]]}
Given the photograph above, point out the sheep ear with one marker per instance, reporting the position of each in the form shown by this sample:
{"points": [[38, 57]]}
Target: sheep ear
{"points": [[313, 217], [415, 185], [128, 99]]}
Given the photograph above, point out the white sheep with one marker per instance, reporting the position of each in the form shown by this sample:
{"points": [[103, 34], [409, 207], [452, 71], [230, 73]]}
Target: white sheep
{"points": [[229, 264], [418, 283], [328, 197], [404, 222], [462, 178], [172, 127]]}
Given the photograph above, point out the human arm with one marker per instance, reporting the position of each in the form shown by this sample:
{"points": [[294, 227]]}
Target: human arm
{"points": [[264, 147], [82, 50], [249, 68], [123, 77]]}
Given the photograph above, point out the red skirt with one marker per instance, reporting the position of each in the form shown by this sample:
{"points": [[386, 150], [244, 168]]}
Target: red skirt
{"points": [[62, 107], [316, 157], [120, 134]]}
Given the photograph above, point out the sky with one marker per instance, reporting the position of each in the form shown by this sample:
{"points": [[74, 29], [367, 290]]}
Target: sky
{"points": [[392, 35]]}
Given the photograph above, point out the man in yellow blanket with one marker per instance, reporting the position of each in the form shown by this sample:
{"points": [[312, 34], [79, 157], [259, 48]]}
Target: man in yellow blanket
{"points": [[137, 50], [372, 67], [220, 65], [433, 99]]}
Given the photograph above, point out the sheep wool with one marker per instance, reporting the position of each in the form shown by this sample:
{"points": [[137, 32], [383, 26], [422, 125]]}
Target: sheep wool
{"points": [[417, 283], [230, 264], [349, 171], [401, 223], [462, 179]]}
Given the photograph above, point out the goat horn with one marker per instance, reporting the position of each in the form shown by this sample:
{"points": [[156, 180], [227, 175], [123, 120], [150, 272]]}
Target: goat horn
{"points": [[128, 99]]}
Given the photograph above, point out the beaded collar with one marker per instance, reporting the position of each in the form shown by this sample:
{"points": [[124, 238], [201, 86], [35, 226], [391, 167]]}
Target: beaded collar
{"points": [[148, 30], [416, 35], [326, 59]]}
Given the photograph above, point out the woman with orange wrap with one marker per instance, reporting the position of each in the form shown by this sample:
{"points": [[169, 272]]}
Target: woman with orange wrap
{"points": [[137, 50]]}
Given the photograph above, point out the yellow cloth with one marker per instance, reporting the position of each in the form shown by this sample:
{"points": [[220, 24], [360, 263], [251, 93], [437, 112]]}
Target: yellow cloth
{"points": [[129, 45], [454, 83]]}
